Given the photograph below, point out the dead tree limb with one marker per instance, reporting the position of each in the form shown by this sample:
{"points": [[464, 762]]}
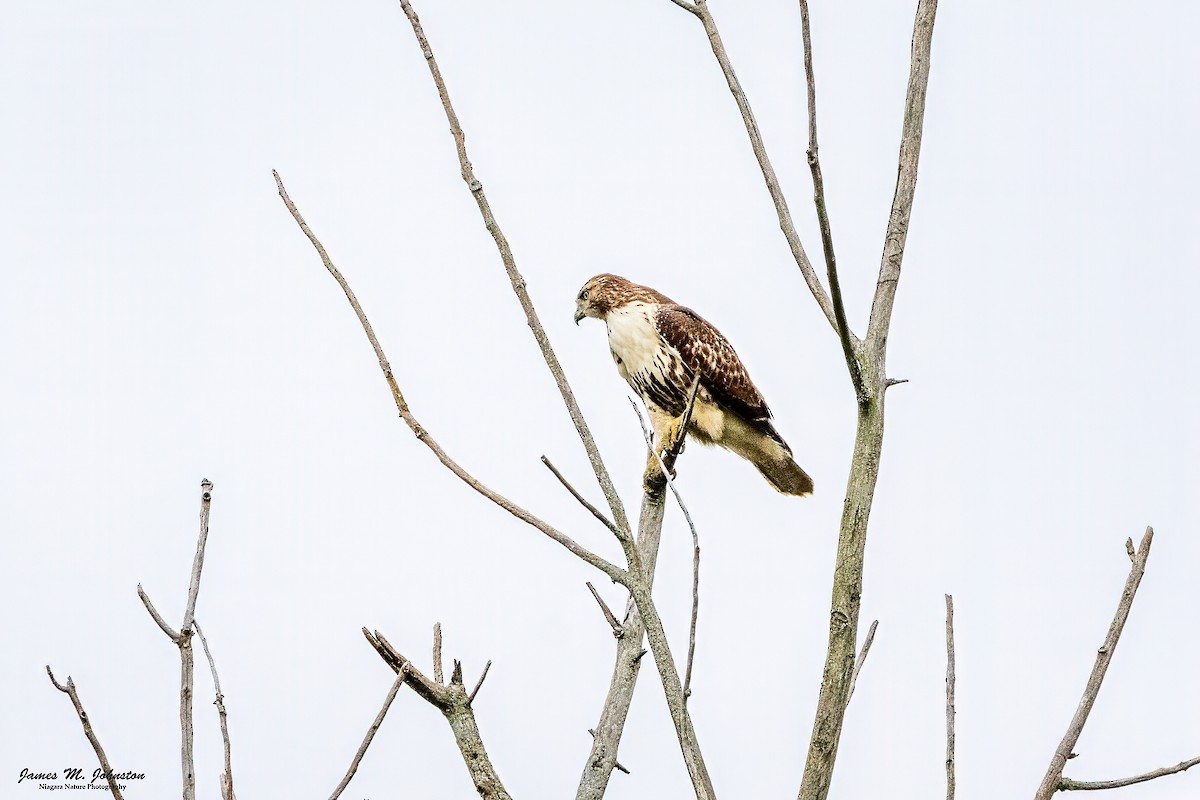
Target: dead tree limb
{"points": [[1068, 785], [611, 570], [70, 691], [950, 678], [454, 702], [868, 443], [227, 776], [366, 742], [183, 640], [701, 11], [845, 335], [517, 281], [1054, 773]]}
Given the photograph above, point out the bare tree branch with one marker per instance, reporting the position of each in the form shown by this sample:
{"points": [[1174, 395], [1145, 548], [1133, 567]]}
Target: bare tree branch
{"points": [[608, 614], [814, 165], [517, 281], [454, 703], [614, 572], [227, 777], [1050, 783], [868, 442], [906, 180], [602, 758], [401, 674], [1068, 785], [437, 652], [70, 691], [862, 658], [950, 697], [582, 501], [676, 446], [162, 623], [475, 691], [764, 163]]}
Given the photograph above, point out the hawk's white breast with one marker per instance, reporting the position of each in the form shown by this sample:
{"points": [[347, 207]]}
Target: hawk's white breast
{"points": [[633, 338]]}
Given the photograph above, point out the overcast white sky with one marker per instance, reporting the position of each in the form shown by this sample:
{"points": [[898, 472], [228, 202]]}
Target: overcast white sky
{"points": [[163, 321]]}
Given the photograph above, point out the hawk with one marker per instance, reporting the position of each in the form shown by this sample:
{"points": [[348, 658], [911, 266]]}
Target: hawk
{"points": [[660, 346]]}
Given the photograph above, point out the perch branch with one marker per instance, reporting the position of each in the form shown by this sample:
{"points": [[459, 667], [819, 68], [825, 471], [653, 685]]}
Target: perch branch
{"points": [[862, 658], [675, 447], [950, 698], [452, 700], [227, 777], [401, 674], [582, 501], [1050, 783], [814, 165], [764, 163], [1068, 785], [608, 614], [517, 281], [614, 572], [70, 691]]}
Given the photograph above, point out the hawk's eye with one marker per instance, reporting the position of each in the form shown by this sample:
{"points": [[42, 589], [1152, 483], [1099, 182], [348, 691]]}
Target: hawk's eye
{"points": [[583, 295]]}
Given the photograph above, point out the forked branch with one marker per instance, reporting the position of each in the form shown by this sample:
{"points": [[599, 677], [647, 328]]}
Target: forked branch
{"points": [[69, 690], [1051, 783], [611, 570], [455, 704]]}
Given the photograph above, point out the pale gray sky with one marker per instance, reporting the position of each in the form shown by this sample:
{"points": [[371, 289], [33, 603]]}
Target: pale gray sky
{"points": [[165, 321]]}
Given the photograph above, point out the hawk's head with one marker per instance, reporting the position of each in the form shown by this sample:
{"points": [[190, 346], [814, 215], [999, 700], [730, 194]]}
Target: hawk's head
{"points": [[603, 293]]}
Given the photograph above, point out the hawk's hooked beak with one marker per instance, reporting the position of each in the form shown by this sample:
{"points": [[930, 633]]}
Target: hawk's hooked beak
{"points": [[578, 315]]}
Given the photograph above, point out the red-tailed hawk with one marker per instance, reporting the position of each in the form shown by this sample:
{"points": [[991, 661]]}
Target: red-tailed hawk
{"points": [[659, 346]]}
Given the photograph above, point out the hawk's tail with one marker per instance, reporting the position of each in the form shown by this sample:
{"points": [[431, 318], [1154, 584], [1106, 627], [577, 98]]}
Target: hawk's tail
{"points": [[782, 472]]}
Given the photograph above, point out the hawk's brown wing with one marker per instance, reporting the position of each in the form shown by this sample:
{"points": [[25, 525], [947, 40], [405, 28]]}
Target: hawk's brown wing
{"points": [[723, 374]]}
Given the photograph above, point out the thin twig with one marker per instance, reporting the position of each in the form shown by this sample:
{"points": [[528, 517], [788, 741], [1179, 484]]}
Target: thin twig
{"points": [[614, 572], [475, 691], [1068, 785], [617, 764], [687, 680], [162, 623], [518, 282], [582, 501], [366, 742], [227, 782], [862, 658], [69, 690], [608, 614], [950, 698], [814, 166], [1050, 783], [764, 163], [437, 652]]}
